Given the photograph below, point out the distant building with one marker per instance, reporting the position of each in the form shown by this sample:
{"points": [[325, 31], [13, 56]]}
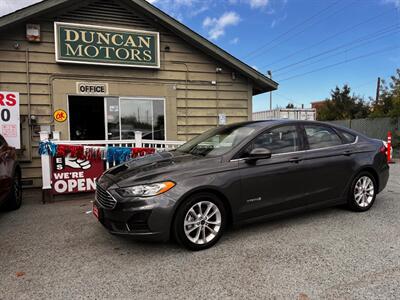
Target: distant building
{"points": [[317, 104]]}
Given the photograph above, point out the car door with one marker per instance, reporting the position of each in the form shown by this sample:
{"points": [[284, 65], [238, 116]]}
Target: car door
{"points": [[328, 163], [274, 184]]}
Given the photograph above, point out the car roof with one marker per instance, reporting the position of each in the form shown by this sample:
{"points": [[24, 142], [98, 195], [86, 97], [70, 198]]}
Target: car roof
{"points": [[264, 124], [273, 122]]}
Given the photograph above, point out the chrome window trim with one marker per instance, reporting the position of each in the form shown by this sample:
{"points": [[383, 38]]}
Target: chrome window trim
{"points": [[303, 151]]}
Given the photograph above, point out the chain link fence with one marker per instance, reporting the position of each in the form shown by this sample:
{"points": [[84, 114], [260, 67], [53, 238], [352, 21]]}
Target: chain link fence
{"points": [[375, 128]]}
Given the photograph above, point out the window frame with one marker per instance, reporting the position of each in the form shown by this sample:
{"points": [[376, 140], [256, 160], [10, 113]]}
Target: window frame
{"points": [[305, 137], [133, 98], [300, 140], [151, 99], [344, 139]]}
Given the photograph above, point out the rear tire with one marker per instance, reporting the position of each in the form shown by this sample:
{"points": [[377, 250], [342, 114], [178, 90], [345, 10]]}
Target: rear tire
{"points": [[14, 200], [362, 193], [200, 222]]}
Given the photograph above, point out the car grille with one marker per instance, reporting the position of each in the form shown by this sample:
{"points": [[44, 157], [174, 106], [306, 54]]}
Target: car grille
{"points": [[104, 198]]}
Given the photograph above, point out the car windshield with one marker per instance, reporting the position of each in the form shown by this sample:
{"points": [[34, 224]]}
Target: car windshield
{"points": [[217, 141]]}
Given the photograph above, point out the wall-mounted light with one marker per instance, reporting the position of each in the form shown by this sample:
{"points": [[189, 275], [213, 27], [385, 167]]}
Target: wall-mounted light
{"points": [[218, 70], [16, 45], [233, 76], [33, 120], [167, 48]]}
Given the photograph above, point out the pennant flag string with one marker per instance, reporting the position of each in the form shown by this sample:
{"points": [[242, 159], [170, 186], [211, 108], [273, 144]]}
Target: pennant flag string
{"points": [[115, 155]]}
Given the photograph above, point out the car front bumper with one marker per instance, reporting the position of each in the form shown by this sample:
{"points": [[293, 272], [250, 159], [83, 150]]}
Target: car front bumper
{"points": [[143, 218]]}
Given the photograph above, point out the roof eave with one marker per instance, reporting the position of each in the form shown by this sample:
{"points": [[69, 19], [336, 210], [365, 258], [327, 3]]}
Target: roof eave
{"points": [[266, 84], [32, 11]]}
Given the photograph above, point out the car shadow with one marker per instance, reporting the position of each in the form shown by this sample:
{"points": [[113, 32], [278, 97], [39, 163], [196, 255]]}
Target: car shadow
{"points": [[286, 220], [267, 226]]}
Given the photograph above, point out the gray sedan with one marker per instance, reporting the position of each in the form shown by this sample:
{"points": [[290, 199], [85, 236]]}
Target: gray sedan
{"points": [[237, 174]]}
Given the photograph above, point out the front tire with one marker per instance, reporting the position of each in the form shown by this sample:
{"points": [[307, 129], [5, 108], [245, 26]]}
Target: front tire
{"points": [[363, 192], [14, 200], [200, 222]]}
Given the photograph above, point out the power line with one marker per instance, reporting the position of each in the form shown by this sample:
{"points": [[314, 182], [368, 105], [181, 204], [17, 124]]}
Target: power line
{"points": [[290, 29], [340, 63], [360, 42], [298, 33], [336, 54], [328, 38]]}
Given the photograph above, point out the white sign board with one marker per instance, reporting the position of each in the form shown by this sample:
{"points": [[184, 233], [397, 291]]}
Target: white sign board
{"points": [[221, 119], [9, 118]]}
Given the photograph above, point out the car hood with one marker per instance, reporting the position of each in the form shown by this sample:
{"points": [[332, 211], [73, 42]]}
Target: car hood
{"points": [[156, 167]]}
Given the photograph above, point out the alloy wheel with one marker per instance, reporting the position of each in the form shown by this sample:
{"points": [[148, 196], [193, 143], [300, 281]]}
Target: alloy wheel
{"points": [[364, 191], [202, 222]]}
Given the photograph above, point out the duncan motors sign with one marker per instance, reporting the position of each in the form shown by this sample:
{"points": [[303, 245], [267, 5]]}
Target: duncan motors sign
{"points": [[98, 45], [9, 118], [72, 175]]}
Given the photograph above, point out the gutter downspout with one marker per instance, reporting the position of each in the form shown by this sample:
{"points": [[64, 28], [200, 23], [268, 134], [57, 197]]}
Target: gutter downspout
{"points": [[28, 91]]}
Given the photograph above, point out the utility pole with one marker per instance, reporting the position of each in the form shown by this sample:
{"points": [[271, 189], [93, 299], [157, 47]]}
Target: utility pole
{"points": [[269, 72], [378, 87]]}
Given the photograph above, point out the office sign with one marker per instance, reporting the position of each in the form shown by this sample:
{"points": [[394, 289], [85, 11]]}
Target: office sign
{"points": [[92, 88], [98, 45], [9, 118]]}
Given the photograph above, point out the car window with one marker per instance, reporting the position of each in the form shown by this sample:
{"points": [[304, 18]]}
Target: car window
{"points": [[321, 136], [282, 139], [348, 137]]}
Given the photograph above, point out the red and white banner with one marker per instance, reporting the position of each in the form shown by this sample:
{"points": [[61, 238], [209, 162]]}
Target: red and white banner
{"points": [[9, 118], [73, 175]]}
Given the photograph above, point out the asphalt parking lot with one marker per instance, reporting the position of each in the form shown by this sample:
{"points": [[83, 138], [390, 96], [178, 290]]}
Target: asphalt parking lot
{"points": [[59, 251]]}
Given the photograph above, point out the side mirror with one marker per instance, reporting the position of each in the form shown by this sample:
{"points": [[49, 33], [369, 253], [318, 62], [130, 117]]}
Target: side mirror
{"points": [[259, 153]]}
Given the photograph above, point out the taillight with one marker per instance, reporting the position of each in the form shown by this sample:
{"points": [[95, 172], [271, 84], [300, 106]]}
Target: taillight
{"points": [[383, 149]]}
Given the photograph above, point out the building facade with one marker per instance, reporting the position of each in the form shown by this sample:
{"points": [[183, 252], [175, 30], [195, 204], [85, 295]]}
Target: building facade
{"points": [[101, 70]]}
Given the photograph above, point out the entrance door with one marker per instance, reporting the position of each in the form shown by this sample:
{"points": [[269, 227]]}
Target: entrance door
{"points": [[86, 118]]}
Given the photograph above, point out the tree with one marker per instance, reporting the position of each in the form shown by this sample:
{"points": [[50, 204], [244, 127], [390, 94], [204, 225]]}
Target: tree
{"points": [[342, 105], [290, 105], [388, 104]]}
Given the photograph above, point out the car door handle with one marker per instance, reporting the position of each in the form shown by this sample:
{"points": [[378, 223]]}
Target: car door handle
{"points": [[295, 160], [347, 152]]}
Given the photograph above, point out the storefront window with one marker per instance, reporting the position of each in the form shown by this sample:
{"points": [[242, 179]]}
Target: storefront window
{"points": [[142, 115]]}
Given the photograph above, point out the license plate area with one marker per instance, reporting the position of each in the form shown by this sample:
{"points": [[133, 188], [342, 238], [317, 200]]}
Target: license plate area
{"points": [[95, 211]]}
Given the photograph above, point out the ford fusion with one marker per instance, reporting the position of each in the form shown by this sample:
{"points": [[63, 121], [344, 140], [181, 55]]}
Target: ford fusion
{"points": [[240, 173]]}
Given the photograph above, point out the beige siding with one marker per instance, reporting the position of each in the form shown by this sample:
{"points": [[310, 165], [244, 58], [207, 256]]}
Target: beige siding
{"points": [[197, 100]]}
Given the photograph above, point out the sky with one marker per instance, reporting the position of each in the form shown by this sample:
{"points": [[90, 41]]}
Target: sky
{"points": [[310, 46]]}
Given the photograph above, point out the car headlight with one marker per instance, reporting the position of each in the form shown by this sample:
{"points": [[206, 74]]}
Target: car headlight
{"points": [[146, 190]]}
